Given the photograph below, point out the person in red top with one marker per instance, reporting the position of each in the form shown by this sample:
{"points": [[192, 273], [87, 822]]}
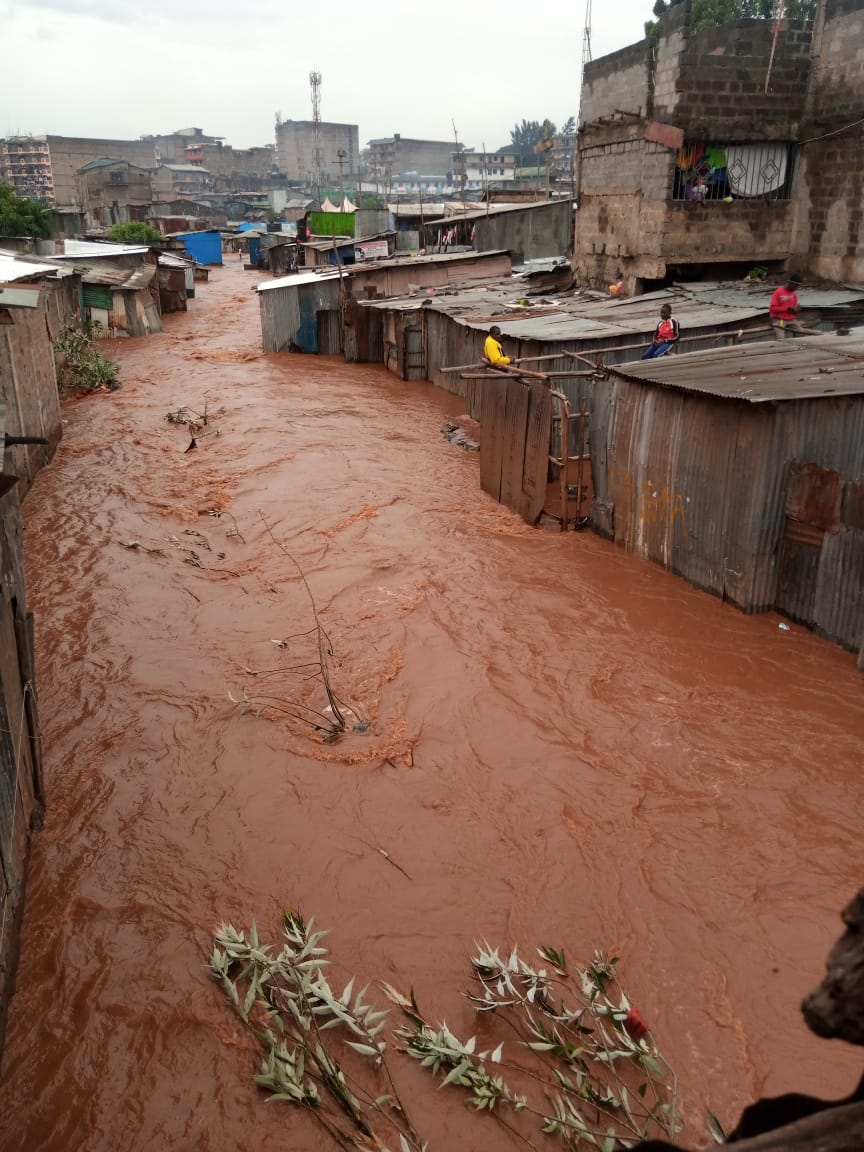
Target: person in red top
{"points": [[666, 335], [784, 306]]}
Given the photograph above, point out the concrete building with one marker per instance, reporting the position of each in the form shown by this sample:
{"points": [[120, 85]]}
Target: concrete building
{"points": [[114, 192], [172, 147], [829, 188], [236, 169], [482, 168], [733, 145], [687, 151], [68, 154], [25, 165], [172, 181], [394, 156], [295, 146]]}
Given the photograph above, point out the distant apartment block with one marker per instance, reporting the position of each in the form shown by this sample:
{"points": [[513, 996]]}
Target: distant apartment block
{"points": [[483, 168], [47, 167], [395, 156], [25, 165], [295, 150]]}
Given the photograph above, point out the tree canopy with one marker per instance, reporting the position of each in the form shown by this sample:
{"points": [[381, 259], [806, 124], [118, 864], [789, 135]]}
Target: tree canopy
{"points": [[20, 217], [525, 136], [711, 13], [135, 232]]}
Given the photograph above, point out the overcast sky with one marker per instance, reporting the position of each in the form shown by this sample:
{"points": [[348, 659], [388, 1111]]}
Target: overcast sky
{"points": [[123, 68]]}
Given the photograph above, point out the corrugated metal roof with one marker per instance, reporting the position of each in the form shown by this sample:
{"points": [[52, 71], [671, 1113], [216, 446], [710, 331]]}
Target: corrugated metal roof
{"points": [[124, 279], [169, 260], [793, 369], [13, 268], [726, 295], [497, 210], [296, 280], [74, 249]]}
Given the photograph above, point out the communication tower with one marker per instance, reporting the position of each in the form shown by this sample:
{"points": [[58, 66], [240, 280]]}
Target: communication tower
{"points": [[317, 159]]}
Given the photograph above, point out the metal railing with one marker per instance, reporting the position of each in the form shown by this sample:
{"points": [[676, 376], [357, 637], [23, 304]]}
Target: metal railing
{"points": [[715, 171]]}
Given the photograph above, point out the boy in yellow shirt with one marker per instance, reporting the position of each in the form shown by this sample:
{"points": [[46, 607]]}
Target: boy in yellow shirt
{"points": [[492, 349]]}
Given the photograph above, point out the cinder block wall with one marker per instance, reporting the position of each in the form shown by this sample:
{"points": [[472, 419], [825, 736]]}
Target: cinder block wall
{"points": [[720, 84], [829, 192]]}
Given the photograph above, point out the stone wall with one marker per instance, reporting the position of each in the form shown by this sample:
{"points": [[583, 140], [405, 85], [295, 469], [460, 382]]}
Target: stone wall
{"points": [[829, 192]]}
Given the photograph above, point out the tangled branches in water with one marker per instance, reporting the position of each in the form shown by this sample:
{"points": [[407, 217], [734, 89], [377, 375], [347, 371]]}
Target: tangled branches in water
{"points": [[337, 715]]}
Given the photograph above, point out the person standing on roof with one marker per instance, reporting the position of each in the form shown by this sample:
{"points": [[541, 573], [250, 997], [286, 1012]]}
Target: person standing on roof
{"points": [[784, 307], [666, 335], [492, 349]]}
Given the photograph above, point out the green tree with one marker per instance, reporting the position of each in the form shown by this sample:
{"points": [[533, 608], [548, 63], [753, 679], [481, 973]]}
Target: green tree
{"points": [[135, 232], [711, 13], [19, 217], [569, 126], [524, 136]]}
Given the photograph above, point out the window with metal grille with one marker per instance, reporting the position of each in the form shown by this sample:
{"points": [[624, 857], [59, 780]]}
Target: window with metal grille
{"points": [[734, 171]]}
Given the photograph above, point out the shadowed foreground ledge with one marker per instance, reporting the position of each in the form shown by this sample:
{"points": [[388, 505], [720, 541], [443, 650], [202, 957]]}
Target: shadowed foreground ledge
{"points": [[833, 1011]]}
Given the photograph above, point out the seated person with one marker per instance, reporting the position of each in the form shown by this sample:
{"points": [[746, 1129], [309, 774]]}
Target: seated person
{"points": [[492, 349], [666, 335]]}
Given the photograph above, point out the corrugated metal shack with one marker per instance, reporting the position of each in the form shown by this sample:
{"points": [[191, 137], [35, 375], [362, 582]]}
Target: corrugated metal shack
{"points": [[290, 309], [528, 231], [296, 311], [743, 471], [32, 311], [452, 327], [35, 308]]}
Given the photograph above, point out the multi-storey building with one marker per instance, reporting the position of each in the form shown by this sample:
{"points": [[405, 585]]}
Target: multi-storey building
{"points": [[395, 156], [295, 150], [482, 168], [48, 167], [25, 165]]}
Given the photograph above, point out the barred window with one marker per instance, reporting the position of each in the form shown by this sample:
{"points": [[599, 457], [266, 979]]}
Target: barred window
{"points": [[734, 171]]}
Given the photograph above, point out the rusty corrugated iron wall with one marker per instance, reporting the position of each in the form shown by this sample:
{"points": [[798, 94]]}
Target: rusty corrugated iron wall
{"points": [[706, 486]]}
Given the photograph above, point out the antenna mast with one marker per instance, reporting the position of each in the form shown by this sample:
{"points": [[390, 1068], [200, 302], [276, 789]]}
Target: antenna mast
{"points": [[317, 161], [586, 39]]}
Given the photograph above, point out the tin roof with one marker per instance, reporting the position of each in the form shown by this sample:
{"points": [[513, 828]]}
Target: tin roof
{"points": [[585, 315], [802, 368], [113, 276], [75, 249], [495, 210], [13, 268], [297, 279]]}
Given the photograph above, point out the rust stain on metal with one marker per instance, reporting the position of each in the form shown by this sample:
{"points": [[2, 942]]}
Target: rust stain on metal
{"points": [[814, 496]]}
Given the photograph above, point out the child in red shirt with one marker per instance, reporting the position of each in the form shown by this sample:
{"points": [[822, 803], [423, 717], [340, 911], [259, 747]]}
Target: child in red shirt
{"points": [[666, 335], [784, 305]]}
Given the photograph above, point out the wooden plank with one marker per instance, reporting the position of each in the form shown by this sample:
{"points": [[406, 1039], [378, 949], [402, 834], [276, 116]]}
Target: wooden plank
{"points": [[515, 429], [536, 463], [492, 423]]}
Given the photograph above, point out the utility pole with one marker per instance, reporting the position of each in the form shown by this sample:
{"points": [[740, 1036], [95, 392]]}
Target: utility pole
{"points": [[317, 163], [460, 161], [544, 148], [340, 155]]}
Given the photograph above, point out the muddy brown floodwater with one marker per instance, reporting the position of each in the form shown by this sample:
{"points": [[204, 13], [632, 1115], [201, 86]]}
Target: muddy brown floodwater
{"points": [[568, 746]]}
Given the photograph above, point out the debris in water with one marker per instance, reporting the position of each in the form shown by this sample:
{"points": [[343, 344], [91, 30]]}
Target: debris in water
{"points": [[463, 431]]}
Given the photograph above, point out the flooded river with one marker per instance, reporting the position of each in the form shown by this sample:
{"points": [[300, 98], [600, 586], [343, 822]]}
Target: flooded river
{"points": [[567, 746]]}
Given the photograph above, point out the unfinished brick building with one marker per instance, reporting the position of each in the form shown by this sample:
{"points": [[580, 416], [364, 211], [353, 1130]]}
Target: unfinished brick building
{"points": [[698, 151]]}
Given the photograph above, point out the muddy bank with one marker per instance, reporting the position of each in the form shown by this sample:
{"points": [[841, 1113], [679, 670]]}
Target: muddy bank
{"points": [[566, 746]]}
